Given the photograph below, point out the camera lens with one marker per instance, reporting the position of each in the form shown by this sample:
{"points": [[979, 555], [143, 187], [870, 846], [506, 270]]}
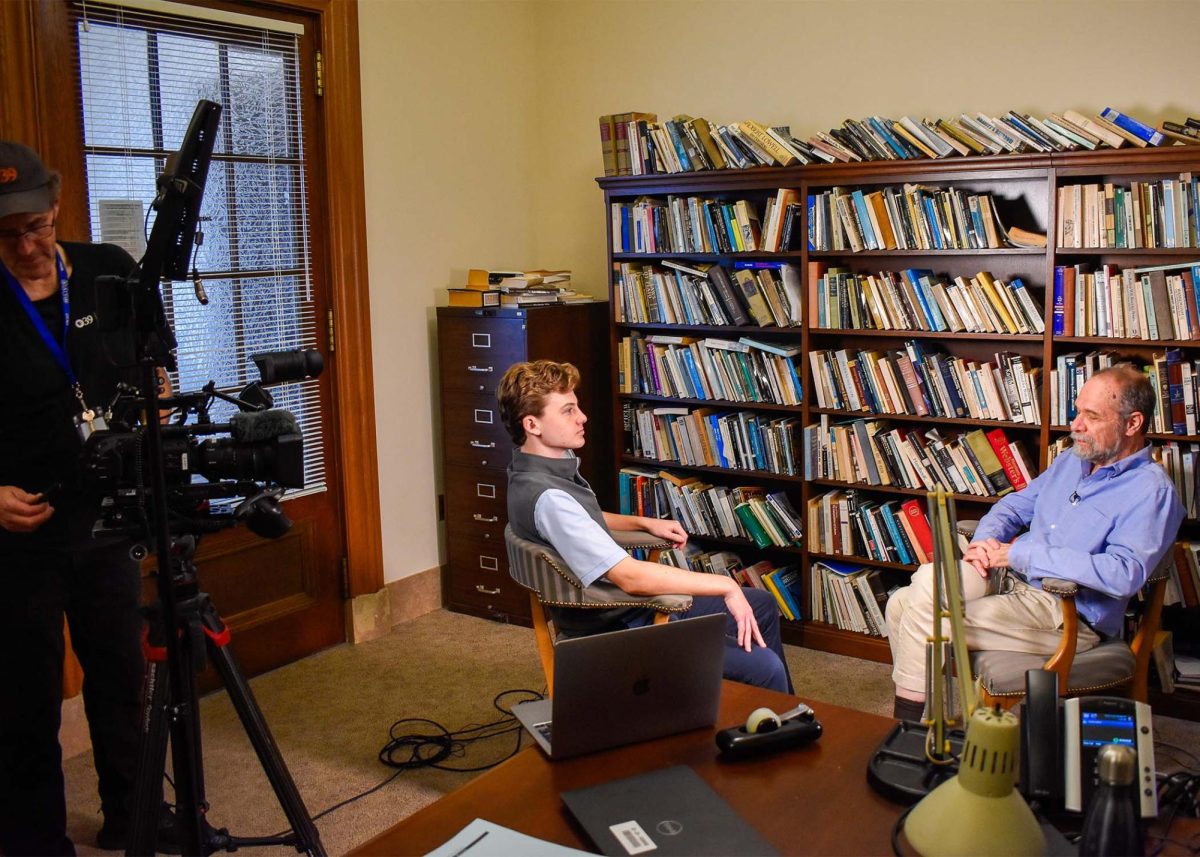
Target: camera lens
{"points": [[277, 366]]}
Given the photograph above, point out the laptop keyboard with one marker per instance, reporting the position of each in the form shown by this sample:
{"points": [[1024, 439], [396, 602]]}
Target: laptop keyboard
{"points": [[543, 729]]}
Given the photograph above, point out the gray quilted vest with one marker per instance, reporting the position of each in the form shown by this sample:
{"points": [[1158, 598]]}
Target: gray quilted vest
{"points": [[528, 477]]}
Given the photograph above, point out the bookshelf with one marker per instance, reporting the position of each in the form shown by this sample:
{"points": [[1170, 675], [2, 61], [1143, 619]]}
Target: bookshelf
{"points": [[1024, 191]]}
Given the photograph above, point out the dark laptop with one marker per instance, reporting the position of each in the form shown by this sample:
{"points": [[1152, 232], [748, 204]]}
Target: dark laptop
{"points": [[631, 685], [671, 811]]}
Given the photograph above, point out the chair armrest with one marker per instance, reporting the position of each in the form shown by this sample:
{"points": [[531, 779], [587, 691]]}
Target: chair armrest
{"points": [[542, 571], [967, 529], [633, 539], [1059, 587]]}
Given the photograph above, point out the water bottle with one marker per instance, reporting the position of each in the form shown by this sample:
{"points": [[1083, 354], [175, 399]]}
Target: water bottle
{"points": [[1110, 828]]}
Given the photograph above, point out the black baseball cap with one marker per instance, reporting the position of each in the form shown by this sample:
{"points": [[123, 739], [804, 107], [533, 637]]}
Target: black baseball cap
{"points": [[26, 186]]}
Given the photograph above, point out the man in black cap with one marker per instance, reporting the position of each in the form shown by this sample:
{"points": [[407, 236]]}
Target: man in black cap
{"points": [[56, 374]]}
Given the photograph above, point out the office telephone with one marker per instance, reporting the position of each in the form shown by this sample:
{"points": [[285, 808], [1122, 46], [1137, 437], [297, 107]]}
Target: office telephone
{"points": [[1060, 740]]}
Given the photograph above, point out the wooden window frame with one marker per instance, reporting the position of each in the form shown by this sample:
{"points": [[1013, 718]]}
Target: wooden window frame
{"points": [[37, 107]]}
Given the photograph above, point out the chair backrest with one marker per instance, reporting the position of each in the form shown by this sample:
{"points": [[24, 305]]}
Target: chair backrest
{"points": [[550, 581]]}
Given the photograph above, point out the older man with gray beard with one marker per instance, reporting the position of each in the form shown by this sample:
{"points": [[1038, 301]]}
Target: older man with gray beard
{"points": [[1103, 517]]}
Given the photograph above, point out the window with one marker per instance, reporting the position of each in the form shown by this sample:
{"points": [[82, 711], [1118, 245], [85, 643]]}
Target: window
{"points": [[142, 70]]}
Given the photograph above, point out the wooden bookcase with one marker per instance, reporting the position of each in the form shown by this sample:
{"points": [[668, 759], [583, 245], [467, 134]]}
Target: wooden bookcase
{"points": [[1027, 187]]}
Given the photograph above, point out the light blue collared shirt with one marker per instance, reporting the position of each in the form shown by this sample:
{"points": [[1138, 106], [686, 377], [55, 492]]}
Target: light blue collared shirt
{"points": [[1106, 530]]}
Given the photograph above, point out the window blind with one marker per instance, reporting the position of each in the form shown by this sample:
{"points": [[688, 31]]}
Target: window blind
{"points": [[142, 69]]}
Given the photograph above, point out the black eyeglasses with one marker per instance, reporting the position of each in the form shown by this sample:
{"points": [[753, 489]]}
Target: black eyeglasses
{"points": [[35, 233]]}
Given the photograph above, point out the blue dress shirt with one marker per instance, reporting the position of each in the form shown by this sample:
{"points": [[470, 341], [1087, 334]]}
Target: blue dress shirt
{"points": [[1106, 530]]}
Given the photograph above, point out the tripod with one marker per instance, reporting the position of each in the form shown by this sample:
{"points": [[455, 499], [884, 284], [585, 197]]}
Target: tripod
{"points": [[171, 707]]}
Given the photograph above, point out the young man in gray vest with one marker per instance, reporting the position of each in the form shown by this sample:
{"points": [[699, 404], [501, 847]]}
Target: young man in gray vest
{"points": [[550, 503]]}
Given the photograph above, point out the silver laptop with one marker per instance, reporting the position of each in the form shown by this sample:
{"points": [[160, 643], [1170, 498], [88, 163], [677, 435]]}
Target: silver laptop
{"points": [[632, 685]]}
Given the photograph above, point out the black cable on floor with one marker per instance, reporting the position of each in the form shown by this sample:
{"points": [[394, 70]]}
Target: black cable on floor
{"points": [[429, 748]]}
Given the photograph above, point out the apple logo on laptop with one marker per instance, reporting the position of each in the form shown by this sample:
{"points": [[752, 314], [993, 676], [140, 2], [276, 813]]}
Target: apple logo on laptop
{"points": [[642, 686]]}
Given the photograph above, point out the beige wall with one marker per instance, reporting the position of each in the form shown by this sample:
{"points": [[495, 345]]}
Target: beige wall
{"points": [[448, 112], [528, 80]]}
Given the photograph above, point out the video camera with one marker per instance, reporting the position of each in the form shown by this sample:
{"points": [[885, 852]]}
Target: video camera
{"points": [[193, 460], [256, 455]]}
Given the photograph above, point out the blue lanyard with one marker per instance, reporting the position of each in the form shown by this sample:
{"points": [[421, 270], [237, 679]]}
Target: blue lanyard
{"points": [[57, 347]]}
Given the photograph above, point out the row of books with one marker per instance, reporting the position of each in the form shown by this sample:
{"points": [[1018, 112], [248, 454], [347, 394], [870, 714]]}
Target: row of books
{"points": [[918, 382], [703, 437], [637, 143], [912, 217], [877, 138], [849, 596], [1184, 586], [849, 523], [1175, 671], [918, 299], [782, 581], [731, 370], [1176, 382], [1151, 303], [765, 294], [706, 225], [874, 452], [718, 511], [1181, 461], [1146, 214]]}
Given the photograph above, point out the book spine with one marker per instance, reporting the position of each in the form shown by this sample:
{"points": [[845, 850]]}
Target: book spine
{"points": [[1133, 126]]}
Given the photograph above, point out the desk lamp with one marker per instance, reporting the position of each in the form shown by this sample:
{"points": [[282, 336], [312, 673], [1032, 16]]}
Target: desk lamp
{"points": [[978, 811]]}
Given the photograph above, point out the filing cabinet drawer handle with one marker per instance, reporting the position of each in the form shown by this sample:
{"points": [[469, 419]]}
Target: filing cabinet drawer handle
{"points": [[474, 368], [479, 587], [486, 519], [478, 444], [481, 340], [489, 563]]}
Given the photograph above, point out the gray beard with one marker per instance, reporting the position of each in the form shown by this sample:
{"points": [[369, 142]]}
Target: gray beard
{"points": [[1093, 456]]}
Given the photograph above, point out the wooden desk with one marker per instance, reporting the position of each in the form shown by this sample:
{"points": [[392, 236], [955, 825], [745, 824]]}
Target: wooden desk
{"points": [[809, 800]]}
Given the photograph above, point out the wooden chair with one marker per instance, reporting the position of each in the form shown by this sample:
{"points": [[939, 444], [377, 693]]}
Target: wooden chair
{"points": [[551, 583], [1113, 667]]}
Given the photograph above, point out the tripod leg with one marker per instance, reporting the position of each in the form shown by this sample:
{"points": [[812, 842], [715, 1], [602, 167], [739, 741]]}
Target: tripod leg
{"points": [[152, 756], [308, 839]]}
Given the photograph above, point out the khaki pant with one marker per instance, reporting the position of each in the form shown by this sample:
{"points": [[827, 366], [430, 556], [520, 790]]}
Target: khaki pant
{"points": [[1019, 619]]}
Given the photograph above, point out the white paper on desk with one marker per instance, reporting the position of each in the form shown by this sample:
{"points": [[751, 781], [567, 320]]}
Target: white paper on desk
{"points": [[484, 839]]}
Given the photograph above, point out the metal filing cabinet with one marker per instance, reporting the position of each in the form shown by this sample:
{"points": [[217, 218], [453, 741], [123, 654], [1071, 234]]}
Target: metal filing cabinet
{"points": [[475, 347]]}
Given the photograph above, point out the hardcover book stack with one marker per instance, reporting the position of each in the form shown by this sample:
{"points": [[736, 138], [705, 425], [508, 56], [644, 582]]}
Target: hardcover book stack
{"points": [[486, 288]]}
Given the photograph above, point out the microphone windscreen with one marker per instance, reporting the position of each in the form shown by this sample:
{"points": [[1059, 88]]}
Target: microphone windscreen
{"points": [[253, 426]]}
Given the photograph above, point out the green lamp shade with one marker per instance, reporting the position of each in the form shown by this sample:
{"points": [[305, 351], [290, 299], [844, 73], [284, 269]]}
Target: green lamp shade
{"points": [[979, 812]]}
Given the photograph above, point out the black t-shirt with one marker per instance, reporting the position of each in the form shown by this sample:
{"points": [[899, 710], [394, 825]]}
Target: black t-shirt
{"points": [[39, 444]]}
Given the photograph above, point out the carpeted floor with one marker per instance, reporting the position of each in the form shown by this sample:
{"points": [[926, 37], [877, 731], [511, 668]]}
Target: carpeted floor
{"points": [[330, 715]]}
